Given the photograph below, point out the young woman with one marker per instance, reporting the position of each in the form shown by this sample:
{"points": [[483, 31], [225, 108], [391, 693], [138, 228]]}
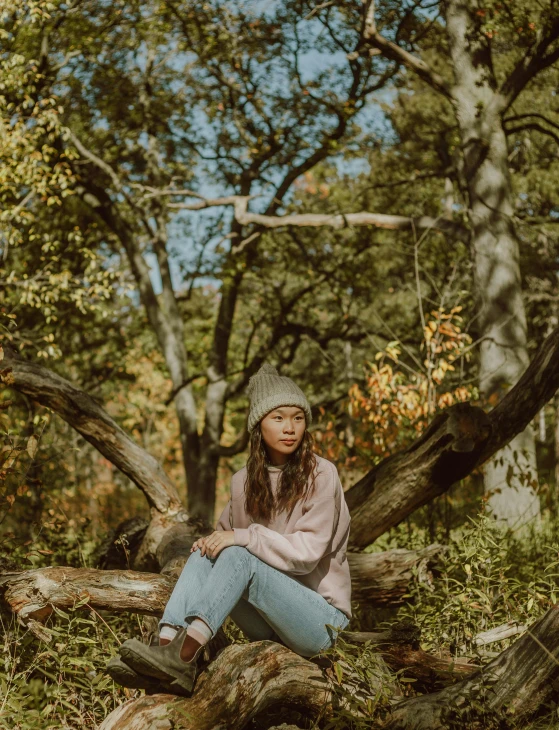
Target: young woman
{"points": [[276, 563]]}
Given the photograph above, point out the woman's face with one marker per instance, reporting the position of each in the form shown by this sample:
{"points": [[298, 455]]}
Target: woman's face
{"points": [[282, 430]]}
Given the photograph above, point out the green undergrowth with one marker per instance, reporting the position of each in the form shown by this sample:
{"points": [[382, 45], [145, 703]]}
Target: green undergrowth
{"points": [[482, 579], [58, 683]]}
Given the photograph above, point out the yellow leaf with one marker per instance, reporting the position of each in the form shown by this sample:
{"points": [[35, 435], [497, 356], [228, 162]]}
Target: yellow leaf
{"points": [[32, 445]]}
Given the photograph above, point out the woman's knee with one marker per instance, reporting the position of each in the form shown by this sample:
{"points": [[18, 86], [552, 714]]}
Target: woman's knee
{"points": [[234, 553], [196, 559]]}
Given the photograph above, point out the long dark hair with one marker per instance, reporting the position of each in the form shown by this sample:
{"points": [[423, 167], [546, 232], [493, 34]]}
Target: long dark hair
{"points": [[295, 482]]}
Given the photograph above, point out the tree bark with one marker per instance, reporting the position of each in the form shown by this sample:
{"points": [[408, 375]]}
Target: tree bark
{"points": [[479, 106], [33, 593], [380, 579], [511, 476], [245, 680], [399, 647], [517, 683], [556, 444]]}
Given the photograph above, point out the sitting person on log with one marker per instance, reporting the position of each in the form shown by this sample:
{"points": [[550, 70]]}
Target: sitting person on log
{"points": [[276, 563]]}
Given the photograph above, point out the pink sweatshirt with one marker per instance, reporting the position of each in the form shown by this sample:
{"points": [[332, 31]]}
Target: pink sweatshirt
{"points": [[310, 545]]}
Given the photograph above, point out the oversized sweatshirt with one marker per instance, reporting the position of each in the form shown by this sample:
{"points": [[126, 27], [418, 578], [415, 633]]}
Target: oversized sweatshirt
{"points": [[309, 544]]}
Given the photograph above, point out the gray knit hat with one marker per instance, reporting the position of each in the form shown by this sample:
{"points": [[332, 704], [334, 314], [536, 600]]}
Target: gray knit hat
{"points": [[267, 389]]}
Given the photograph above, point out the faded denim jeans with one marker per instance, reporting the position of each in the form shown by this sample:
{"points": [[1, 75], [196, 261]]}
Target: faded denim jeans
{"points": [[264, 602]]}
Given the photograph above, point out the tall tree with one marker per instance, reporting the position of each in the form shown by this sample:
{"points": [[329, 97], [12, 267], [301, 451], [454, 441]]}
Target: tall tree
{"points": [[481, 92]]}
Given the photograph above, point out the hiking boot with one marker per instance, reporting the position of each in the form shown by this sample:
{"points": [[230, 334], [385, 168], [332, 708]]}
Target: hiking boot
{"points": [[163, 663], [124, 675]]}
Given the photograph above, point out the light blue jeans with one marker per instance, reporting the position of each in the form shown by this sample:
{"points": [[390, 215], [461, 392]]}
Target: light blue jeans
{"points": [[264, 602]]}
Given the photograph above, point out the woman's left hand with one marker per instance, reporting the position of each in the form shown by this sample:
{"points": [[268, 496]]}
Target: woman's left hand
{"points": [[213, 544]]}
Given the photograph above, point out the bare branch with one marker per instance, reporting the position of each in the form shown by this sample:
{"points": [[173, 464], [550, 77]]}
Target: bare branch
{"points": [[531, 115], [534, 126], [336, 221], [238, 447], [394, 52]]}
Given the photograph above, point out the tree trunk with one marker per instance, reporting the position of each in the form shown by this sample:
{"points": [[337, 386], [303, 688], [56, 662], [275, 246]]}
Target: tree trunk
{"points": [[516, 684], [208, 463], [84, 414], [381, 579], [510, 477]]}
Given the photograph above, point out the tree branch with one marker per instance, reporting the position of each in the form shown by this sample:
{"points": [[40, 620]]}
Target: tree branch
{"points": [[336, 221], [532, 115], [530, 65], [238, 447], [90, 420], [535, 127], [394, 52]]}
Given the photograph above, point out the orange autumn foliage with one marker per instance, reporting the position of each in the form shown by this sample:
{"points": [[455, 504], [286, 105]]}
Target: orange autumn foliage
{"points": [[399, 399]]}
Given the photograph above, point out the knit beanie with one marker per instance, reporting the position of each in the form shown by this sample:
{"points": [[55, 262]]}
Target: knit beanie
{"points": [[267, 389]]}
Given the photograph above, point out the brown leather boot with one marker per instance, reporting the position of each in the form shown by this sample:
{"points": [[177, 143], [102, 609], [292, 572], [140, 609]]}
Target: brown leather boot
{"points": [[163, 663]]}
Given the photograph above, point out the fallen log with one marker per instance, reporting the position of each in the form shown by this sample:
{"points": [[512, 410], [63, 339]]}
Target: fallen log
{"points": [[244, 681], [378, 579], [498, 633], [33, 593], [400, 648], [517, 684]]}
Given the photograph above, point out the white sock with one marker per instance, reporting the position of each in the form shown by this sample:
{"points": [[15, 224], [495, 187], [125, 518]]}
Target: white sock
{"points": [[200, 631], [167, 632]]}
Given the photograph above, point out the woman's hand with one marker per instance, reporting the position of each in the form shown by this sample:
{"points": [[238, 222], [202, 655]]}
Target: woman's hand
{"points": [[213, 544]]}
